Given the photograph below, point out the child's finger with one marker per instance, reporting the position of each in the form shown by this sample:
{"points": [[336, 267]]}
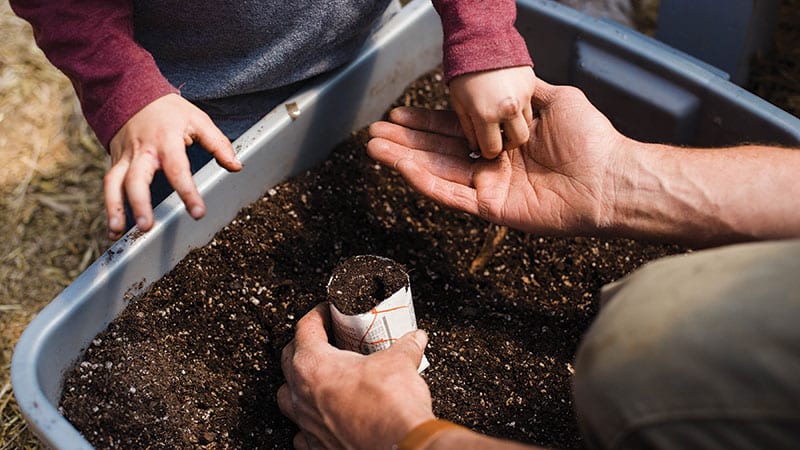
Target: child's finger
{"points": [[527, 113], [489, 138], [176, 168], [466, 124], [137, 187], [115, 197], [215, 142], [516, 132]]}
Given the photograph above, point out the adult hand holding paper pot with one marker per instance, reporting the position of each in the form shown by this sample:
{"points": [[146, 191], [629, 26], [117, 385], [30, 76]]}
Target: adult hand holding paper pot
{"points": [[342, 399], [370, 310]]}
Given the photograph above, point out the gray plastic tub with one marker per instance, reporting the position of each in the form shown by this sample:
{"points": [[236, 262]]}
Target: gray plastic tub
{"points": [[650, 91]]}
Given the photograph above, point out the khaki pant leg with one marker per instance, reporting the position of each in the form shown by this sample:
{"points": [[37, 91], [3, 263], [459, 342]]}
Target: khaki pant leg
{"points": [[697, 351]]}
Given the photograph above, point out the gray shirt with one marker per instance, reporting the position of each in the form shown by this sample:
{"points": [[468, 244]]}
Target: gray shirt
{"points": [[235, 57]]}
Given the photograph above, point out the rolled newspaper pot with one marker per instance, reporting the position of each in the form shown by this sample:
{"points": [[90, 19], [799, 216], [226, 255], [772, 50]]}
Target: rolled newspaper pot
{"points": [[371, 304]]}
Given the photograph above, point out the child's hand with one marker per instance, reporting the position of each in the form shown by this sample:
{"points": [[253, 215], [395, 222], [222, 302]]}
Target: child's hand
{"points": [[154, 139], [494, 108]]}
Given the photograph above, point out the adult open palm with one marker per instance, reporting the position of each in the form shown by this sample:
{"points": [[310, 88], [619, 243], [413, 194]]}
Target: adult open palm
{"points": [[554, 184]]}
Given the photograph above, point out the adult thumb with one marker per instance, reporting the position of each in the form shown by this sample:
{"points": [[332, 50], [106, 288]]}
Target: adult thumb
{"points": [[543, 95], [409, 347]]}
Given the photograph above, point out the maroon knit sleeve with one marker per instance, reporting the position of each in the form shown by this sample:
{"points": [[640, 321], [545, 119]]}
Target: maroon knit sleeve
{"points": [[92, 42], [480, 35]]}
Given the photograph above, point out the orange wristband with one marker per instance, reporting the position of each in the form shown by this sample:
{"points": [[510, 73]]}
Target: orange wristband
{"points": [[422, 433]]}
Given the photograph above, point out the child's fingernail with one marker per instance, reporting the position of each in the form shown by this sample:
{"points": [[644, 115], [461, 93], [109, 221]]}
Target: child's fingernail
{"points": [[141, 222]]}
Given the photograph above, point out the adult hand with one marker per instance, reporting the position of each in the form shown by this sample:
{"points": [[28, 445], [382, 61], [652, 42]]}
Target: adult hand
{"points": [[341, 399], [560, 182], [155, 138], [494, 108]]}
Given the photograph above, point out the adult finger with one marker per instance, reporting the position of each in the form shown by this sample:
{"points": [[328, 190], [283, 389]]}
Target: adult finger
{"points": [[435, 121], [489, 138], [307, 441], [312, 328], [215, 142], [300, 441], [408, 348], [543, 95], [287, 354], [175, 165], [285, 403], [516, 132], [143, 167], [458, 169], [297, 410], [301, 412], [420, 140], [314, 423], [114, 194], [447, 193]]}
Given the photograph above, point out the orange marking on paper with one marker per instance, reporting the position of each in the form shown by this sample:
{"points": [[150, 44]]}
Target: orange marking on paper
{"points": [[375, 314]]}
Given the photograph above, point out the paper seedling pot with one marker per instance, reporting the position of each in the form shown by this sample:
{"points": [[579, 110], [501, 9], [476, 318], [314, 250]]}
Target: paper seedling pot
{"points": [[380, 326]]}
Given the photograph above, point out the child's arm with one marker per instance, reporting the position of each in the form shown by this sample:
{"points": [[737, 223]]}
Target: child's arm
{"points": [[132, 108], [92, 43], [489, 71]]}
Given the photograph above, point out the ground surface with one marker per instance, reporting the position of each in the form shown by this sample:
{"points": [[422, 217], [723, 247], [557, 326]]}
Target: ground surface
{"points": [[50, 182], [51, 226]]}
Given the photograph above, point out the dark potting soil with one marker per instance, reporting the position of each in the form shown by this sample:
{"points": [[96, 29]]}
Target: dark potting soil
{"points": [[361, 282], [195, 361]]}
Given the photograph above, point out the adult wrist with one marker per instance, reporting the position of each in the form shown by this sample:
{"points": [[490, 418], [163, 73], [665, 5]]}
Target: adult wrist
{"points": [[424, 434], [644, 205], [618, 191]]}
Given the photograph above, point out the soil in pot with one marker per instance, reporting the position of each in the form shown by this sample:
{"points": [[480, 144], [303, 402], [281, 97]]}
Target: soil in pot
{"points": [[195, 361], [362, 282]]}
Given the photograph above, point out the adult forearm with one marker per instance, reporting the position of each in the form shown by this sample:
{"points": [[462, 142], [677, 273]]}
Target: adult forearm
{"points": [[706, 197]]}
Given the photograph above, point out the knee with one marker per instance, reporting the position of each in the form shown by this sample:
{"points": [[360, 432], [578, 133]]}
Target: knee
{"points": [[684, 336], [623, 368]]}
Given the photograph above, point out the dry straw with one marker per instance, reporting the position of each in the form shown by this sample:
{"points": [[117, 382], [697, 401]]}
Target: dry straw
{"points": [[51, 221]]}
